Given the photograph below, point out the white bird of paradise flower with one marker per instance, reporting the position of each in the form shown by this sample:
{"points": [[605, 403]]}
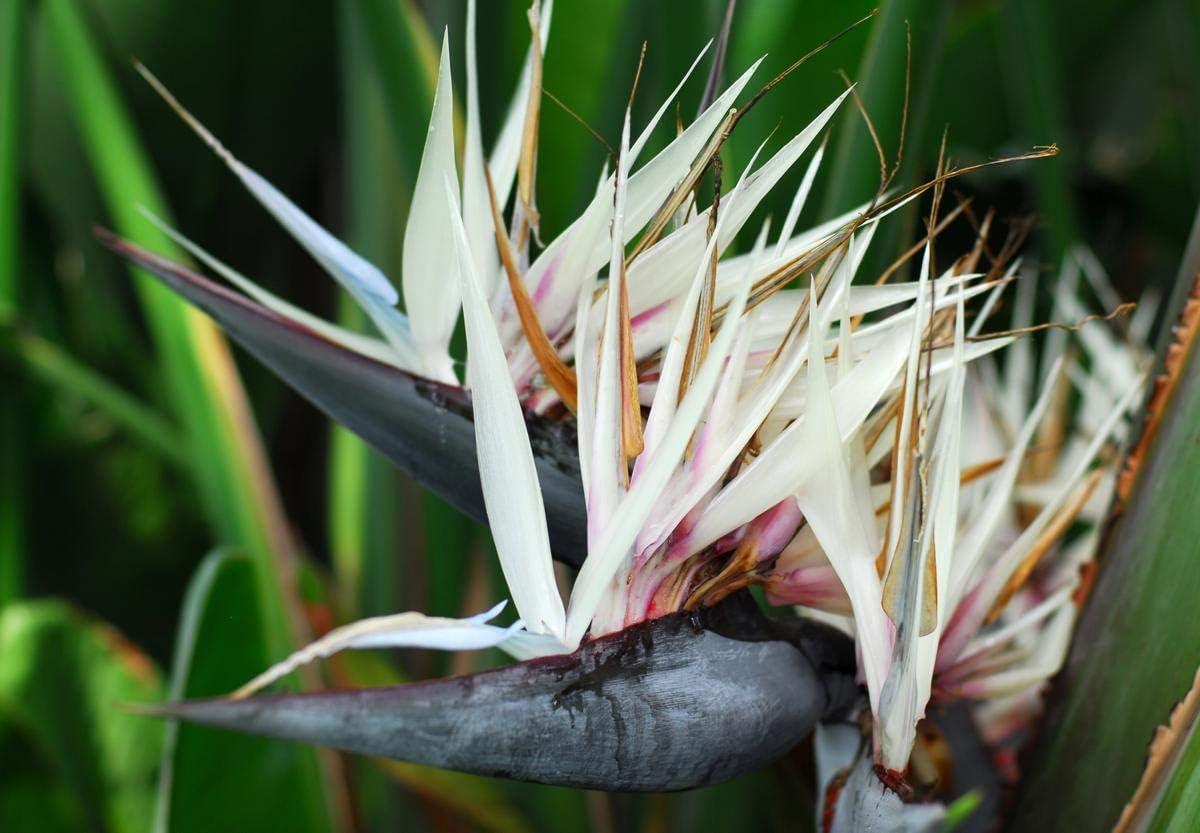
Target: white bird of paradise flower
{"points": [[851, 447]]}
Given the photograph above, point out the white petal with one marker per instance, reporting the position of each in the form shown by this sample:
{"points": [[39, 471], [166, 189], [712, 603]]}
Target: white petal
{"points": [[369, 286], [371, 347], [909, 684], [511, 491], [798, 201], [773, 474], [980, 530], [649, 187], [476, 205], [843, 524], [662, 272], [619, 536], [640, 143], [608, 464], [431, 285], [1019, 367], [401, 630], [970, 617]]}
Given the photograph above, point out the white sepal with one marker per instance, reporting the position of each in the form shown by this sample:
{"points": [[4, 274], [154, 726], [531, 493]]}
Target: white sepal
{"points": [[400, 630], [511, 491], [430, 283]]}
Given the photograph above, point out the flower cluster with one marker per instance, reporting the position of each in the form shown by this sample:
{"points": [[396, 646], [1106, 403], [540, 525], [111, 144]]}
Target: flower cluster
{"points": [[766, 418]]}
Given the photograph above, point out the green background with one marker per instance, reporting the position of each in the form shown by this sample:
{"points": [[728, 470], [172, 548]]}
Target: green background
{"points": [[114, 484]]}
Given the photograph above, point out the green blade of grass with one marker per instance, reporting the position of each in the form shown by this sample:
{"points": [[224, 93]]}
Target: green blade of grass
{"points": [[12, 56], [364, 499], [406, 60], [585, 45], [1035, 92], [12, 562], [1136, 648], [55, 366], [228, 462], [223, 640], [854, 174]]}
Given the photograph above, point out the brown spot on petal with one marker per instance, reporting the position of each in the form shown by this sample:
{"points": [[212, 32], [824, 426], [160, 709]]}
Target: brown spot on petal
{"points": [[894, 780]]}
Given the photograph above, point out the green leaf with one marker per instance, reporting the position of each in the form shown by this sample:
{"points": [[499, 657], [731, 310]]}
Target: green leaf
{"points": [[215, 780], [227, 457], [960, 810], [1135, 651], [364, 503], [12, 56], [1180, 804], [589, 66], [61, 680], [12, 559], [1036, 93], [854, 175], [50, 363], [406, 61]]}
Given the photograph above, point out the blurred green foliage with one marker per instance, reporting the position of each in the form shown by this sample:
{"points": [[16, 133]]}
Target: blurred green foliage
{"points": [[329, 101], [222, 641]]}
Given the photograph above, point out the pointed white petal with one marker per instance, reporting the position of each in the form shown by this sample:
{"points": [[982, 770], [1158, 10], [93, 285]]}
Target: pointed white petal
{"points": [[619, 536], [337, 258], [651, 184], [640, 143], [431, 286], [373, 348], [663, 411], [1019, 367], [648, 187], [369, 286], [799, 200], [980, 530], [843, 524], [401, 630], [608, 465], [774, 473], [662, 272], [511, 491], [476, 205], [970, 616]]}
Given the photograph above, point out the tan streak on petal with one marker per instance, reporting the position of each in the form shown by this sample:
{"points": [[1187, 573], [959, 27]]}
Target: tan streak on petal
{"points": [[527, 164], [1042, 545], [632, 441], [560, 377]]}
